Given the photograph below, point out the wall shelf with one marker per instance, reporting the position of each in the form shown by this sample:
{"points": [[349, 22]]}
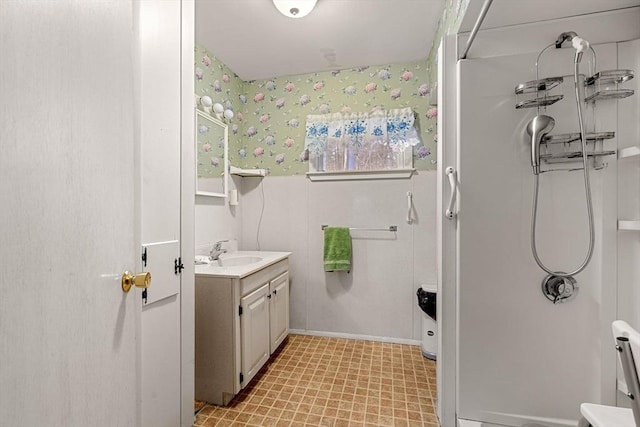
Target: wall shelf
{"points": [[541, 90], [566, 148], [605, 85], [247, 172], [624, 153], [566, 138], [609, 94], [576, 154], [539, 85], [608, 77], [539, 102], [629, 225], [359, 175]]}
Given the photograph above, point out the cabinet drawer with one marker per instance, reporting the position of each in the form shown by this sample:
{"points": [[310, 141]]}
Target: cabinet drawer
{"points": [[259, 278]]}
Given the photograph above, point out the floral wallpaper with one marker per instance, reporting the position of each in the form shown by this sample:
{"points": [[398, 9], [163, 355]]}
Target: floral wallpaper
{"points": [[215, 79], [268, 129], [209, 147], [449, 23]]}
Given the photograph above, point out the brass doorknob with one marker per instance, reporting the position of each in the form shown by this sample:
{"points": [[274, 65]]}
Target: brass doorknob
{"points": [[141, 280]]}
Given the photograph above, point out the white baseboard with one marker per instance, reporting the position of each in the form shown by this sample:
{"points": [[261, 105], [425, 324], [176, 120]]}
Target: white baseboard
{"points": [[355, 337]]}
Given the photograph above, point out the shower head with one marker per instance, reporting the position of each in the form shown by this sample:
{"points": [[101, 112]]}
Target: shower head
{"points": [[578, 43], [537, 128]]}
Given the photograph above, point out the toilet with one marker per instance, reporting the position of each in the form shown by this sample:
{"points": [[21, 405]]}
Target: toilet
{"points": [[595, 415]]}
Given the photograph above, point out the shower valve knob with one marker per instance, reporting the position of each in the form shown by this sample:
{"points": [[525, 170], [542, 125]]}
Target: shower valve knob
{"points": [[559, 289]]}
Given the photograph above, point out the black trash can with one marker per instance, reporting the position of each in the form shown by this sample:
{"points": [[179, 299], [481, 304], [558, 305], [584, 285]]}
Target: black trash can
{"points": [[427, 295]]}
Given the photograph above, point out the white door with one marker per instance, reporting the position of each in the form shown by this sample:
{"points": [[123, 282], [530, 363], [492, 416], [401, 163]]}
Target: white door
{"points": [[160, 72], [67, 217], [254, 328], [70, 217], [279, 310]]}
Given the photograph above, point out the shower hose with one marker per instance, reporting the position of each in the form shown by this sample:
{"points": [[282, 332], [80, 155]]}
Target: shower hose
{"points": [[587, 190]]}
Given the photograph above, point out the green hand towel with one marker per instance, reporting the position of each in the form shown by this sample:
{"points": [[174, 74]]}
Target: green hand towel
{"points": [[337, 249]]}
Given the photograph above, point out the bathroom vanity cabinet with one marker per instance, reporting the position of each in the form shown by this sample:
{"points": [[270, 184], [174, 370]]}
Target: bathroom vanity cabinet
{"points": [[242, 316]]}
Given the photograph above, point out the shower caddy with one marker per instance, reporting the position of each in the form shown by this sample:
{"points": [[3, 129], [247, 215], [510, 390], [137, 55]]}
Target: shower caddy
{"points": [[560, 149]]}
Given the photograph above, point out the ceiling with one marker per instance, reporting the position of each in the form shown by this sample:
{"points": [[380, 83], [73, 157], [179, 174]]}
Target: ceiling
{"points": [[253, 39]]}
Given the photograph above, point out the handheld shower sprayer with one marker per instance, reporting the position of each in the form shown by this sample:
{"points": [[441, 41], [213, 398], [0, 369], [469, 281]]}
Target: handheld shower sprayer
{"points": [[537, 128]]}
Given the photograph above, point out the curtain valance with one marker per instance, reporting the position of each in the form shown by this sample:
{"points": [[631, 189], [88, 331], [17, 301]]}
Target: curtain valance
{"points": [[362, 141]]}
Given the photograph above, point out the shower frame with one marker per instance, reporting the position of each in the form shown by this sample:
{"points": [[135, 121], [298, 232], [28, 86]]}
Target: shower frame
{"points": [[448, 249]]}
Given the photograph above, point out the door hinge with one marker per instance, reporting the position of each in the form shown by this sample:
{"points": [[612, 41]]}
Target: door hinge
{"points": [[144, 257], [239, 310], [241, 378], [144, 296], [178, 266]]}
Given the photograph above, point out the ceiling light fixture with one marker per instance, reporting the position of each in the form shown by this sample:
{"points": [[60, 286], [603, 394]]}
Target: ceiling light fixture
{"points": [[295, 8]]}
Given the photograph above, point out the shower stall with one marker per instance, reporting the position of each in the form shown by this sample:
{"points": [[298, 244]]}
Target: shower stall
{"points": [[524, 344]]}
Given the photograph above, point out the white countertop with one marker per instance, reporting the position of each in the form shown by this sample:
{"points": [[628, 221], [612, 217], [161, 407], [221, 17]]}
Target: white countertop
{"points": [[240, 271]]}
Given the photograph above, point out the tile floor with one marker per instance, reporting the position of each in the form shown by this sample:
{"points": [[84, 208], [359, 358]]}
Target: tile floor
{"points": [[319, 381]]}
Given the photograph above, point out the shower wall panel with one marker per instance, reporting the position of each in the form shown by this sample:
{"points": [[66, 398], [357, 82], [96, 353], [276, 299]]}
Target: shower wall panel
{"points": [[629, 194], [520, 357]]}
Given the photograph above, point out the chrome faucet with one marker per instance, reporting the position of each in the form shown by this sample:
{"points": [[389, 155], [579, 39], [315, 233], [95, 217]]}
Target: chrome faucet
{"points": [[217, 250]]}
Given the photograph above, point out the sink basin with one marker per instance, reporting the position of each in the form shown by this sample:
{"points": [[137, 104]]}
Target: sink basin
{"points": [[233, 261], [239, 264]]}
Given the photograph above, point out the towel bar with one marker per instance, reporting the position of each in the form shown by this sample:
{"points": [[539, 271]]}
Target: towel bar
{"points": [[391, 228]]}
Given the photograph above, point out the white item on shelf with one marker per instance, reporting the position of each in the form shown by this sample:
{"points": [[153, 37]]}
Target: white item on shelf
{"points": [[629, 152], [629, 225], [233, 197]]}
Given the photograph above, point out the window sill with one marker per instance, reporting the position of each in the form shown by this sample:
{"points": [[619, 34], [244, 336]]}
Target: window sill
{"points": [[361, 175]]}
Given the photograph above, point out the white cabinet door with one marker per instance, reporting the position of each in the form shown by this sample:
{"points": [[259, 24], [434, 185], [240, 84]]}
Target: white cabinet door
{"points": [[279, 310], [254, 327]]}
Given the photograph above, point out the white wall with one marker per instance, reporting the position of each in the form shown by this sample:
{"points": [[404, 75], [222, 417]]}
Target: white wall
{"points": [[377, 298], [216, 220]]}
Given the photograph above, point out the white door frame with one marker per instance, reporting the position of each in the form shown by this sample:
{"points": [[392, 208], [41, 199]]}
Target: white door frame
{"points": [[187, 214], [187, 208], [447, 233]]}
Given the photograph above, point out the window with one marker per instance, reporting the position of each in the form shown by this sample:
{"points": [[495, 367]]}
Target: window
{"points": [[377, 141]]}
